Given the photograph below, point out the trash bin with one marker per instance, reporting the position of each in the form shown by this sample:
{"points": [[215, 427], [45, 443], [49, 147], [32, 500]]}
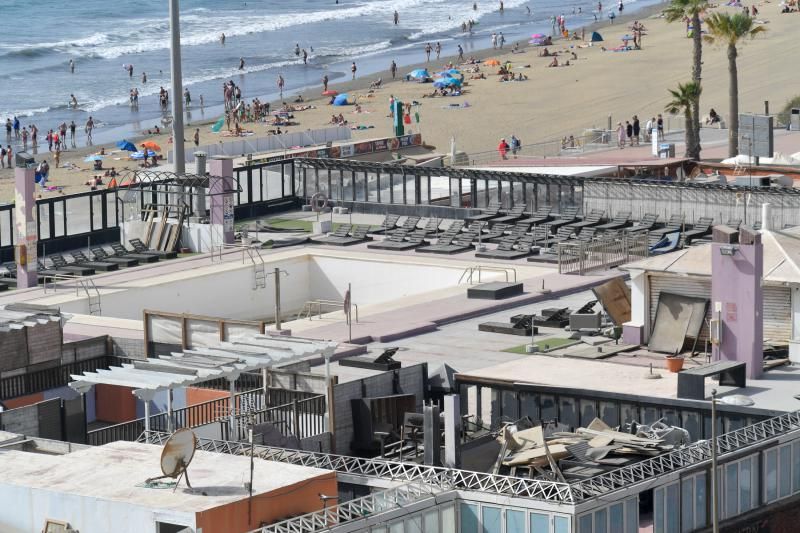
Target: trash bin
{"points": [[666, 150], [794, 119]]}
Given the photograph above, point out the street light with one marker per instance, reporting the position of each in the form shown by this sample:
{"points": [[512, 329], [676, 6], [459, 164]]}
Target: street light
{"points": [[734, 399], [177, 85]]}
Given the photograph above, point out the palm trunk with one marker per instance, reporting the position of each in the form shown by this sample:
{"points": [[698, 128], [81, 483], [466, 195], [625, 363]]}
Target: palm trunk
{"points": [[690, 138], [733, 96], [697, 67]]}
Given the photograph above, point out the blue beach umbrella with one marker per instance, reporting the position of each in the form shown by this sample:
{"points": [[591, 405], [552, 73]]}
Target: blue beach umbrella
{"points": [[140, 155], [419, 74], [447, 82], [340, 100], [126, 145], [92, 158]]}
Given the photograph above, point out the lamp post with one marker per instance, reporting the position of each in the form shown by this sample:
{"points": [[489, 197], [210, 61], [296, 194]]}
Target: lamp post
{"points": [[177, 86], [735, 399]]}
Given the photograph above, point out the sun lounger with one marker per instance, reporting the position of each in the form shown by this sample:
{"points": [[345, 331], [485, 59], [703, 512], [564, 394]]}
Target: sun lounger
{"points": [[431, 226], [59, 263], [141, 248], [540, 234], [121, 251], [101, 255], [389, 223], [587, 235], [341, 232], [400, 241], [44, 272], [514, 214], [510, 249], [646, 224], [700, 229], [496, 232], [562, 235], [520, 229], [356, 235], [675, 223], [594, 218], [569, 216], [492, 211], [734, 223], [101, 266], [409, 224], [540, 216], [622, 220], [668, 243], [458, 244]]}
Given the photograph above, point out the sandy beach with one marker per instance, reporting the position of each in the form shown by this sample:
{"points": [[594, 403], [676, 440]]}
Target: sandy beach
{"points": [[551, 104]]}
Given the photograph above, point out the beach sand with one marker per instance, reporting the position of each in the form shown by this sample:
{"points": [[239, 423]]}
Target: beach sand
{"points": [[551, 104]]}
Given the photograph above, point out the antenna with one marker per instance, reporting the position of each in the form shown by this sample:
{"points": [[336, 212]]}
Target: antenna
{"points": [[177, 454]]}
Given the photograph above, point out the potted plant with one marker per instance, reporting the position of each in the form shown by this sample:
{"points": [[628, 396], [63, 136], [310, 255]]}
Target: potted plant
{"points": [[674, 363]]}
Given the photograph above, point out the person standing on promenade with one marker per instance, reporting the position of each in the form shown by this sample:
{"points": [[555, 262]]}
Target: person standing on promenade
{"points": [[660, 124], [629, 132], [393, 68], [636, 130], [353, 69], [620, 136], [325, 83], [502, 149]]}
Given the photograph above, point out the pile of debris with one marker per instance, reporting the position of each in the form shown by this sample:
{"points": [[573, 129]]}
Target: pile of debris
{"points": [[564, 456]]}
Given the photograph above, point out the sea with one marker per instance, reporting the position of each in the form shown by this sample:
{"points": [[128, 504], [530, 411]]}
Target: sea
{"points": [[102, 37]]}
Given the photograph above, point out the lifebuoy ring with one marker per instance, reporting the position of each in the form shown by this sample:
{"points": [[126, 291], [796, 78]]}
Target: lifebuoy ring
{"points": [[319, 202]]}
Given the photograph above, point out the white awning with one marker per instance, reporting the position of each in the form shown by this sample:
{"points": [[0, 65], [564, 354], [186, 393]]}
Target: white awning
{"points": [[182, 369]]}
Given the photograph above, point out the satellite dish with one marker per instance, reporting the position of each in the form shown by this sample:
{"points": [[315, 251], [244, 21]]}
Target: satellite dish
{"points": [[177, 454]]}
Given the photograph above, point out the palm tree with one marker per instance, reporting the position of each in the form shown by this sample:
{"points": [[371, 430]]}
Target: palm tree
{"points": [[678, 10], [683, 100], [729, 30]]}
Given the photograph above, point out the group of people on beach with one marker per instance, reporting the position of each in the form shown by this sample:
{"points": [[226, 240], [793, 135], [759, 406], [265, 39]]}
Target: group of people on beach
{"points": [[630, 133]]}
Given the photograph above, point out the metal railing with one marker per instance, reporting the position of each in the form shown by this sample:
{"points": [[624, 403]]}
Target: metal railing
{"points": [[469, 273], [51, 378], [299, 418], [602, 253], [390, 470], [187, 417], [356, 509], [308, 308]]}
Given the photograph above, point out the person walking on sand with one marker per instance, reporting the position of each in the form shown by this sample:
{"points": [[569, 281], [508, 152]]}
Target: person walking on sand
{"points": [[89, 127], [460, 53], [501, 40], [438, 50], [197, 137], [325, 83], [72, 128], [620, 136], [502, 149], [494, 40], [353, 69], [281, 83], [393, 68], [428, 52]]}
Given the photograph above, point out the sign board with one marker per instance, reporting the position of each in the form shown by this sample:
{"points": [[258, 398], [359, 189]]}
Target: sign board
{"points": [[755, 135], [227, 213]]}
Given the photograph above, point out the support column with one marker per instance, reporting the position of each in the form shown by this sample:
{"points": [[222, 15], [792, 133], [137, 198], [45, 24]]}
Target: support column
{"points": [[431, 435], [233, 435], [199, 192], [177, 86], [170, 422], [146, 396], [636, 330], [25, 252], [452, 431], [220, 187]]}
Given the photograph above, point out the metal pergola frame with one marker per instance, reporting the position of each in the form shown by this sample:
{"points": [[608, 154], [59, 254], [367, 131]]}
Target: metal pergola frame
{"points": [[193, 184]]}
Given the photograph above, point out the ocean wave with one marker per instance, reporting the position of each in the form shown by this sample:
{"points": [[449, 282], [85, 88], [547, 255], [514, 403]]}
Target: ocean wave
{"points": [[20, 113], [431, 27]]}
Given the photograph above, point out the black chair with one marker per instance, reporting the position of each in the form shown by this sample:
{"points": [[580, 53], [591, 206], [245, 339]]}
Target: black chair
{"points": [[100, 254], [61, 264], [647, 223], [512, 215], [594, 218], [389, 223], [622, 220], [492, 211], [120, 251], [700, 229], [541, 216], [102, 266], [141, 248], [569, 216]]}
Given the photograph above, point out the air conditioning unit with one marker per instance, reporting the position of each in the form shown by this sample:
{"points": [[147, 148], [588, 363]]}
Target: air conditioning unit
{"points": [[25, 160]]}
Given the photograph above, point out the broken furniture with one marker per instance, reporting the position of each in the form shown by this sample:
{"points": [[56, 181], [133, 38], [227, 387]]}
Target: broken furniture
{"points": [[383, 362], [585, 318], [552, 318], [678, 318], [691, 382], [615, 297], [378, 419], [518, 325]]}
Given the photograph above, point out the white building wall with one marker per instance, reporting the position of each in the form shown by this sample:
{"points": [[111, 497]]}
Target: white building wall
{"points": [[87, 515]]}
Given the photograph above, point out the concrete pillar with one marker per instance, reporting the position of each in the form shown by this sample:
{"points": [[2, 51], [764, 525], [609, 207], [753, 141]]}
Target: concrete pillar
{"points": [[220, 188], [637, 330], [27, 239], [431, 434], [233, 435], [452, 431], [200, 193], [739, 311], [794, 342], [146, 396], [766, 217]]}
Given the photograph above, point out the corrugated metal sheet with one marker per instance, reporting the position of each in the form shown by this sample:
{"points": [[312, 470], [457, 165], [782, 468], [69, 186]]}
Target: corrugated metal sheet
{"points": [[777, 314], [698, 288]]}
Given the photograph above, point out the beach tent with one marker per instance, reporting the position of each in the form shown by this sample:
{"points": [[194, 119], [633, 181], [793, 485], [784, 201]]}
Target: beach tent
{"points": [[126, 145], [596, 37], [340, 100]]}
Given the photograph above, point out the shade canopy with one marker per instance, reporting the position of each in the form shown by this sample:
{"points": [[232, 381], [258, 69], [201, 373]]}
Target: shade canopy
{"points": [[182, 369]]}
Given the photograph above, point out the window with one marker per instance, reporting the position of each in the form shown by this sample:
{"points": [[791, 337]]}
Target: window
{"points": [[560, 524], [515, 521], [540, 523], [585, 523], [491, 522], [771, 475], [665, 502], [693, 502], [431, 522], [397, 527], [469, 518], [737, 487], [414, 524], [601, 521], [448, 519]]}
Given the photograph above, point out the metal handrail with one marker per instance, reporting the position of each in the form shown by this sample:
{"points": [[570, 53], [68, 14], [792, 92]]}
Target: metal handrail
{"points": [[308, 307], [250, 250], [470, 271], [82, 282]]}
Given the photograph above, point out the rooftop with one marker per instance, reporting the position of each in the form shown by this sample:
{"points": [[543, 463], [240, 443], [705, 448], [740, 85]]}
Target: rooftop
{"points": [[118, 471]]}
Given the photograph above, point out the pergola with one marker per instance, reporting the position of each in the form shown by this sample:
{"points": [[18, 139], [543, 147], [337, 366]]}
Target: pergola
{"points": [[181, 369]]}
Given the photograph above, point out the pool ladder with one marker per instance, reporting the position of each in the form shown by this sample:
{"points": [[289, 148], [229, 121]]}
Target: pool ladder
{"points": [[259, 267], [469, 273], [85, 283]]}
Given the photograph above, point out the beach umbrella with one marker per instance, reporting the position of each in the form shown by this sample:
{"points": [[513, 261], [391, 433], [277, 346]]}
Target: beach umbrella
{"points": [[329, 92], [218, 125], [447, 82], [491, 63], [537, 42], [420, 73], [340, 100], [538, 36], [126, 145], [94, 157], [151, 145], [596, 37]]}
